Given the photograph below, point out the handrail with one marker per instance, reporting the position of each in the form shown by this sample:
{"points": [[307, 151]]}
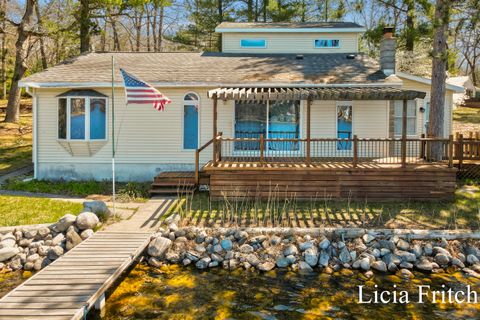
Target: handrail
{"points": [[197, 157]]}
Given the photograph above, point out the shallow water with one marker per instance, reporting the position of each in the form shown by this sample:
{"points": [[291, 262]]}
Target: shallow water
{"points": [[175, 292]]}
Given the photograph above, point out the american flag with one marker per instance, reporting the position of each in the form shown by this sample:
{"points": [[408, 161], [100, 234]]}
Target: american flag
{"points": [[138, 91]]}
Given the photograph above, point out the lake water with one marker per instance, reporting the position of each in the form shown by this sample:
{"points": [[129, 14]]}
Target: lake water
{"points": [[175, 292]]}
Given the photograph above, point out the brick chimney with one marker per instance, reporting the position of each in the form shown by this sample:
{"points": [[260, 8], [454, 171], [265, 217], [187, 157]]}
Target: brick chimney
{"points": [[387, 51]]}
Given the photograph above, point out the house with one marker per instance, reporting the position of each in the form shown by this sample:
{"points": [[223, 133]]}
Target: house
{"points": [[291, 97], [469, 90]]}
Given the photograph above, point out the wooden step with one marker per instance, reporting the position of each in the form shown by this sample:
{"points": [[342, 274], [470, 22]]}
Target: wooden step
{"points": [[170, 184], [173, 191]]}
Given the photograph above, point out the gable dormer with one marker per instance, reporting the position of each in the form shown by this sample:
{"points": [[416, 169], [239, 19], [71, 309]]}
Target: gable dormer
{"points": [[290, 37]]}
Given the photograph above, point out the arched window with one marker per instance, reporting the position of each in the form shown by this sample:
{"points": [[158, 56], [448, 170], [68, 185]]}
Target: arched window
{"points": [[191, 106]]}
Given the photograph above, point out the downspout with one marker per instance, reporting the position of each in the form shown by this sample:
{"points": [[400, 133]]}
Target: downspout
{"points": [[35, 130]]}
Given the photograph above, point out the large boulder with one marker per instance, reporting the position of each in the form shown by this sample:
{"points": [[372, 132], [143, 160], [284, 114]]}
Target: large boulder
{"points": [[64, 223], [98, 207], [8, 240], [7, 253], [73, 239], [87, 220], [159, 246]]}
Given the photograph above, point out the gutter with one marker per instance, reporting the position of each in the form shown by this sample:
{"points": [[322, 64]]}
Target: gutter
{"points": [[35, 130], [290, 30], [66, 85]]}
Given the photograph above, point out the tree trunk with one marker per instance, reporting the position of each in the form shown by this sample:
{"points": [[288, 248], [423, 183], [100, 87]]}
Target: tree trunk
{"points": [[220, 20], [84, 25], [439, 68], [148, 29], [138, 28], [13, 106], [410, 26], [160, 27], [3, 48], [265, 8], [154, 28], [42, 42], [250, 10]]}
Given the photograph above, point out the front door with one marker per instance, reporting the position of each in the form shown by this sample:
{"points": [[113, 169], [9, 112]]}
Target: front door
{"points": [[190, 127]]}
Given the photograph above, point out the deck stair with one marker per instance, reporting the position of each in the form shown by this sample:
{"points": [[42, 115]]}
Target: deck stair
{"points": [[173, 183]]}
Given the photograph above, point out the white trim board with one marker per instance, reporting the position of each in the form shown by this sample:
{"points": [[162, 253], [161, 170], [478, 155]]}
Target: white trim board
{"points": [[290, 30], [427, 81]]}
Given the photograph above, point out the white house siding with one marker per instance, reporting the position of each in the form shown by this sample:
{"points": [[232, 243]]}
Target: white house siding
{"points": [[289, 42], [414, 85]]}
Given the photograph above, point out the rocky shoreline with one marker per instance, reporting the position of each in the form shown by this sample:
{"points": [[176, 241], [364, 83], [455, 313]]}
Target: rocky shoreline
{"points": [[233, 248], [32, 249]]}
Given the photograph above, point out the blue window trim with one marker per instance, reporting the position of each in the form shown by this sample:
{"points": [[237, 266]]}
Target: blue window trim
{"points": [[186, 103], [242, 45], [326, 47]]}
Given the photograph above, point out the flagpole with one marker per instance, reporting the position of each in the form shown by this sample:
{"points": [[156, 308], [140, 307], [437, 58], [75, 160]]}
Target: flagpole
{"points": [[113, 136]]}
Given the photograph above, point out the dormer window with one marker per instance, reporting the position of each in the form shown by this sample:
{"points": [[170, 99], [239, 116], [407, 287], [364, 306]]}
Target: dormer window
{"points": [[327, 43], [253, 43], [82, 115]]}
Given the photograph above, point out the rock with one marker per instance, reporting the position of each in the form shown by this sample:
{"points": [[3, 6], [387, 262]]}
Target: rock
{"points": [[201, 236], [30, 234], [461, 257], [340, 245], [217, 248], [344, 255], [86, 220], [365, 264], [471, 273], [391, 258], [246, 248], [424, 265], [43, 250], [291, 249], [186, 261], [328, 270], [232, 264], [226, 244], [180, 233], [239, 235], [192, 255], [387, 244], [405, 274], [304, 267], [266, 266], [58, 239], [158, 246], [457, 262], [64, 223], [36, 244], [8, 241], [216, 257], [437, 250], [8, 252], [417, 250], [392, 267], [291, 259], [28, 266], [406, 265], [43, 232], [38, 264], [324, 244], [253, 259], [274, 240], [428, 249], [403, 245], [368, 238], [443, 243], [73, 239], [406, 256], [384, 252], [33, 258], [376, 253], [98, 207], [85, 234], [379, 266], [471, 259], [305, 245], [172, 256], [442, 259], [55, 253], [213, 264], [282, 262], [324, 259], [203, 263], [15, 264], [25, 242], [369, 274], [154, 262], [311, 256]]}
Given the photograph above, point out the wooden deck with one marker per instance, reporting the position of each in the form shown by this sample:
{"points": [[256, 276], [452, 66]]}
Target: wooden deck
{"points": [[75, 282]]}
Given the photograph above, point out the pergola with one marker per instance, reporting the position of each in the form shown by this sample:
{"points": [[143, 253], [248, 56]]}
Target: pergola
{"points": [[255, 94]]}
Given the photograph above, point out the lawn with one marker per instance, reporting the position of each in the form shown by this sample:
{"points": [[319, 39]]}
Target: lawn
{"points": [[16, 139], [27, 210], [462, 213], [466, 120]]}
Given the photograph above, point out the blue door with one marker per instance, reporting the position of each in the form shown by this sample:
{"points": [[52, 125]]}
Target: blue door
{"points": [[190, 127]]}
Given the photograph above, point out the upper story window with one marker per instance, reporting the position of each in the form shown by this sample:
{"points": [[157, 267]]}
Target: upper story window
{"points": [[253, 43], [327, 43], [82, 115]]}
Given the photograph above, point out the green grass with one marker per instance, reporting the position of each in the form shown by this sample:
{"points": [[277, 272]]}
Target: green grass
{"points": [[130, 191], [466, 120], [463, 212], [27, 210]]}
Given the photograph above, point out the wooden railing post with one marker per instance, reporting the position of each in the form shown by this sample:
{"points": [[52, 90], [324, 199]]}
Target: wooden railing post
{"points": [[404, 134], [197, 165], [450, 151], [422, 147], [215, 102], [355, 150], [460, 151], [309, 104], [219, 147], [262, 146]]}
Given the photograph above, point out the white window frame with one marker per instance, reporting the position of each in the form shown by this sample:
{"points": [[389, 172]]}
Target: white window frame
{"points": [[254, 47], [189, 102], [401, 116], [337, 104], [315, 46], [87, 118]]}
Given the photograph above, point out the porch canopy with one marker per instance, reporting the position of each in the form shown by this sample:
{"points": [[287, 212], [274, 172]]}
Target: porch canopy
{"points": [[313, 93]]}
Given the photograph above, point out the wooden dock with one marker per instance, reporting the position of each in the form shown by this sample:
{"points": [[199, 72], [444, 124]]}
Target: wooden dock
{"points": [[73, 284]]}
